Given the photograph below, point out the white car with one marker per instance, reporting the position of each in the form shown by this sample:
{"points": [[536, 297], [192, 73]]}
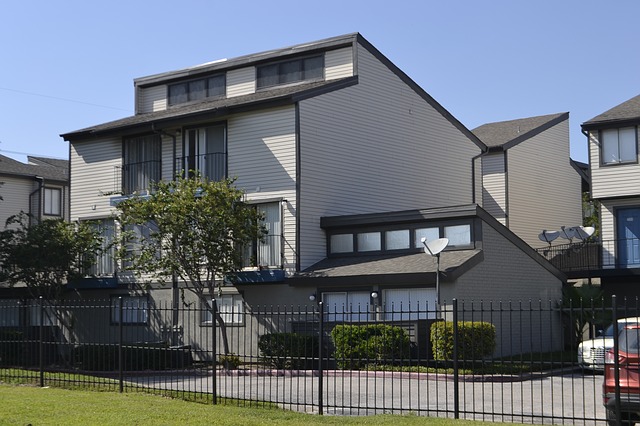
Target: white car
{"points": [[591, 352]]}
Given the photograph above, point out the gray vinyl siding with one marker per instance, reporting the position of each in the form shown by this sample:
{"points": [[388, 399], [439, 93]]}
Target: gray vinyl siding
{"points": [[262, 156], [545, 191], [614, 180], [95, 173], [15, 196], [494, 186], [151, 99], [377, 146], [504, 282], [338, 63], [241, 81]]}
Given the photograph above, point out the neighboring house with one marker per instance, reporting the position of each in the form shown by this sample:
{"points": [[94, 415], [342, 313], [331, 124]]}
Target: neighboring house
{"points": [[527, 180], [39, 188], [321, 136], [615, 184]]}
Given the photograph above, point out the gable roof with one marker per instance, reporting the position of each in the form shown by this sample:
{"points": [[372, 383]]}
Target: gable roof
{"points": [[9, 166], [628, 111], [503, 135]]}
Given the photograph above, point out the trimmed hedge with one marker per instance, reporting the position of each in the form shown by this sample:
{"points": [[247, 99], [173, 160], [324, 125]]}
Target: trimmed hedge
{"points": [[288, 350], [135, 358], [359, 345], [476, 340]]}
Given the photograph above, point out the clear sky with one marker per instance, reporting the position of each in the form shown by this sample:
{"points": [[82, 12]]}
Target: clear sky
{"points": [[70, 64]]}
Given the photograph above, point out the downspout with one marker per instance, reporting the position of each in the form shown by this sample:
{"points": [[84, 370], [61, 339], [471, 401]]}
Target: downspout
{"points": [[473, 174], [40, 180]]}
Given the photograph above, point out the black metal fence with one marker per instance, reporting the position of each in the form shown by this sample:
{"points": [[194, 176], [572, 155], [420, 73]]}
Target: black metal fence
{"points": [[497, 361]]}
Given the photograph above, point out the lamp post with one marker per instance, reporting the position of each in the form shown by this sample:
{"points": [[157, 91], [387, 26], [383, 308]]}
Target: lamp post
{"points": [[434, 248]]}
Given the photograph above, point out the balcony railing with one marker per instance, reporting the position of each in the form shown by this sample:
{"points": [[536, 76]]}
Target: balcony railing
{"points": [[585, 258], [138, 177], [211, 166]]}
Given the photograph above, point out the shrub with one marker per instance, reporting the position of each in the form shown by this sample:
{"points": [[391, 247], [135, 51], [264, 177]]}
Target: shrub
{"points": [[475, 340], [359, 345], [288, 350], [230, 361]]}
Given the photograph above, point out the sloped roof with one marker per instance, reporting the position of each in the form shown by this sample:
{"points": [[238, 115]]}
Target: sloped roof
{"points": [[505, 134], [626, 111], [9, 166]]}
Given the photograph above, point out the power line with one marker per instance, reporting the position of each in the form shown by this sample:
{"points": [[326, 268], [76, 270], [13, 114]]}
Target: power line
{"points": [[62, 99]]}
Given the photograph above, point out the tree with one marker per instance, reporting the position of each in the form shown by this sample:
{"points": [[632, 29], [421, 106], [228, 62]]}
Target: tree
{"points": [[193, 229], [45, 256]]}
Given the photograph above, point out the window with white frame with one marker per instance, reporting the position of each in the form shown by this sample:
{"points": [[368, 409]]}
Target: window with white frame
{"points": [[135, 309], [267, 251], [230, 307], [105, 260], [136, 237], [619, 145], [52, 202], [406, 304], [347, 306]]}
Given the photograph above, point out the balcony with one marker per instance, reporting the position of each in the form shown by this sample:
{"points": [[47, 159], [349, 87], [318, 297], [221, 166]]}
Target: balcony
{"points": [[212, 166], [138, 177], [595, 259]]}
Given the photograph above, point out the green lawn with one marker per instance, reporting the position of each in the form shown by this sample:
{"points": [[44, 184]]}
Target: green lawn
{"points": [[28, 405]]}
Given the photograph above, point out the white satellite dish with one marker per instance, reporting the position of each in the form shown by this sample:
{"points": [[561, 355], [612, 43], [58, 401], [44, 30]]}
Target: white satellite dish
{"points": [[568, 233], [434, 247], [548, 236], [584, 232]]}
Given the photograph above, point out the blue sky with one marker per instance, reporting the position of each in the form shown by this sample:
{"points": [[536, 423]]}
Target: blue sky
{"points": [[66, 65]]}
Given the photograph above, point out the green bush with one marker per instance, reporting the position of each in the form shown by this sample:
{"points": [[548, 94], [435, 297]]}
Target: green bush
{"points": [[359, 345], [476, 340], [12, 350], [230, 361], [288, 350]]}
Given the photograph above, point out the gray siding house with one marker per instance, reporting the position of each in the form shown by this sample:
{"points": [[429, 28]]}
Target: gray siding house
{"points": [[615, 183], [328, 139], [527, 179]]}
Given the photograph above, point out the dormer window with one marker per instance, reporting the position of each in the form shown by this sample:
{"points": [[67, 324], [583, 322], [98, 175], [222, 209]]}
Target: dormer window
{"points": [[196, 90], [293, 71]]}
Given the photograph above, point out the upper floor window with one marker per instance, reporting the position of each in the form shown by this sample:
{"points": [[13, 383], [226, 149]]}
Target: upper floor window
{"points": [[205, 153], [619, 145], [142, 159], [267, 252], [52, 202], [194, 90], [293, 71]]}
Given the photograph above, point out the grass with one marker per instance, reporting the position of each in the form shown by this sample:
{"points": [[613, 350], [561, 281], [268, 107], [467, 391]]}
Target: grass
{"points": [[54, 406]]}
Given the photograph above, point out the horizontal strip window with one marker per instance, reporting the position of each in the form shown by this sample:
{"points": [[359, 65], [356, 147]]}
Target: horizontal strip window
{"points": [[196, 90], [303, 69]]}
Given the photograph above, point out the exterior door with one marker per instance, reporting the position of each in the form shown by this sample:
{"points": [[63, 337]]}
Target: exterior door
{"points": [[628, 236]]}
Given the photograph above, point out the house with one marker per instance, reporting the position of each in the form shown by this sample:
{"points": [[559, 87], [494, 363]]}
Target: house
{"points": [[326, 139], [527, 179], [615, 184]]}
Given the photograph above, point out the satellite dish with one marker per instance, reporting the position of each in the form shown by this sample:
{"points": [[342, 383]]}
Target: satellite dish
{"points": [[568, 233], [584, 232], [548, 236], [434, 247]]}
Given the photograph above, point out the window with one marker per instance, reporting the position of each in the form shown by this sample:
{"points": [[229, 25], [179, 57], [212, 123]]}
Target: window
{"points": [[347, 306], [304, 69], [9, 312], [230, 307], [135, 309], [35, 316], [205, 152], [194, 90], [409, 304], [142, 163], [267, 252], [397, 240], [105, 261], [369, 241], [458, 235], [429, 233], [342, 243], [137, 236], [619, 145], [53, 201]]}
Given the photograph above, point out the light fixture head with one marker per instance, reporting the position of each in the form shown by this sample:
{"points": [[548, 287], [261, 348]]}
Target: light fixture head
{"points": [[374, 294], [312, 297]]}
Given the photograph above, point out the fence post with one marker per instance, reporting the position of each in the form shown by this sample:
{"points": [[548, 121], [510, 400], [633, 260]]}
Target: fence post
{"points": [[320, 359], [616, 360], [456, 387], [120, 363], [41, 341], [214, 349]]}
